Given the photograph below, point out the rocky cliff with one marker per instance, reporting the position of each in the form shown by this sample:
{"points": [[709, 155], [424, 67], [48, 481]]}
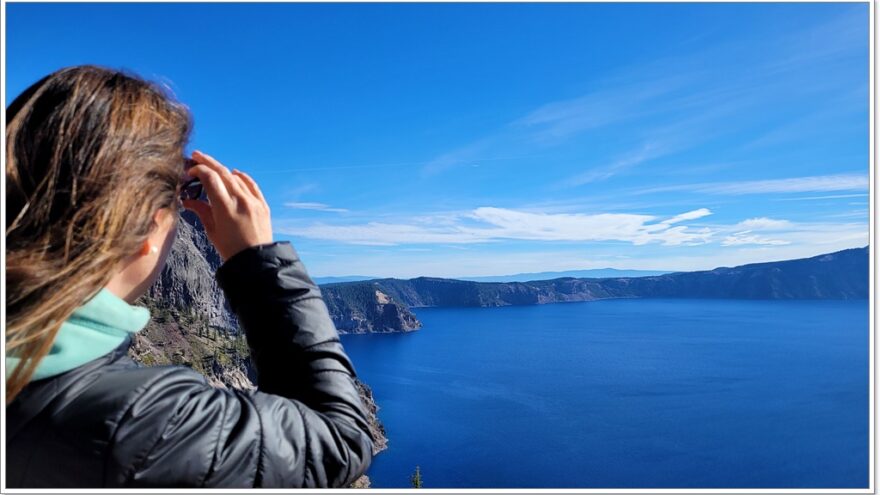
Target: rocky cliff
{"points": [[187, 283], [365, 308]]}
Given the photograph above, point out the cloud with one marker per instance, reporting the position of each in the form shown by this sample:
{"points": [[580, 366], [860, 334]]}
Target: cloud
{"points": [[785, 232], [849, 214], [742, 238], [764, 223], [556, 121], [300, 189], [469, 153], [691, 215], [490, 224], [842, 182], [817, 183], [647, 152], [314, 206], [832, 196]]}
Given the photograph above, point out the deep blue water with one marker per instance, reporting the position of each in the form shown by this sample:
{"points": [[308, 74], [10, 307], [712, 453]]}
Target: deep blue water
{"points": [[625, 393]]}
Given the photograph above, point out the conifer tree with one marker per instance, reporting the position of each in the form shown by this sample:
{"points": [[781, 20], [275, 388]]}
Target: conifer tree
{"points": [[416, 478]]}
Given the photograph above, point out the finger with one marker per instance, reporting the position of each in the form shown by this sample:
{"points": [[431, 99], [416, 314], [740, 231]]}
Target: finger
{"points": [[232, 185], [243, 189], [238, 186], [203, 211], [251, 184], [215, 187], [209, 160]]}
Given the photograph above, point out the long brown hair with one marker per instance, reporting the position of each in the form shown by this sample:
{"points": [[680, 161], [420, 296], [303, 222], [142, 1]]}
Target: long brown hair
{"points": [[91, 154]]}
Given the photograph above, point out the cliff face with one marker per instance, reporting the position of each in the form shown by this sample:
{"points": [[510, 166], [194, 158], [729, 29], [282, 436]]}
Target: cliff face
{"points": [[187, 283], [192, 324], [365, 307], [430, 292]]}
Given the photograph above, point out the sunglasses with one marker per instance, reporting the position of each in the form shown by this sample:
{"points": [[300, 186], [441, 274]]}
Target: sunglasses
{"points": [[192, 188]]}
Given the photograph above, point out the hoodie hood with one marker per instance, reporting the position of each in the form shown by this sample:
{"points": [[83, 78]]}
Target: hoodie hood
{"points": [[92, 330]]}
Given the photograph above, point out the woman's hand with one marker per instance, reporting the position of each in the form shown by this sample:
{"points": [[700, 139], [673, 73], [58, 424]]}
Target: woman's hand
{"points": [[238, 215]]}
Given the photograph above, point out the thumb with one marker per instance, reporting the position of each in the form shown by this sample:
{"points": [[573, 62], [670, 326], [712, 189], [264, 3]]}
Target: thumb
{"points": [[203, 211]]}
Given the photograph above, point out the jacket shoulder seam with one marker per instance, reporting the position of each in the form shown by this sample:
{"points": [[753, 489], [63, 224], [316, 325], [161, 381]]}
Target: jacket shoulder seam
{"points": [[216, 455], [258, 475], [308, 457]]}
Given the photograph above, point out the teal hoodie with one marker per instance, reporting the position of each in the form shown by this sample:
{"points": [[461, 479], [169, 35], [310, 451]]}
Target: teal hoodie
{"points": [[92, 330]]}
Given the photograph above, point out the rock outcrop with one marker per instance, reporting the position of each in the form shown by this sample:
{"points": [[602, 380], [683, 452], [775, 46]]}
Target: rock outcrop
{"points": [[187, 282], [363, 307]]}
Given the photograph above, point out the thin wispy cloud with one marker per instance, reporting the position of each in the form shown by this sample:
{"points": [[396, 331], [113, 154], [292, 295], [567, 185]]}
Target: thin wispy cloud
{"points": [[819, 183], [647, 152], [300, 189], [466, 154], [831, 196], [830, 41], [314, 206], [764, 223], [764, 231], [743, 238], [843, 182], [810, 124], [864, 213], [691, 215], [554, 122]]}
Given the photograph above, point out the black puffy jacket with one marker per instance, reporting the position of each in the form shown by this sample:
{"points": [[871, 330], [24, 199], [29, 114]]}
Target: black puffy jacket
{"points": [[113, 423]]}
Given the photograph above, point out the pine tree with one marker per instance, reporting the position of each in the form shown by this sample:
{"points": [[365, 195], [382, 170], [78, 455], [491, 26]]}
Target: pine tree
{"points": [[416, 478]]}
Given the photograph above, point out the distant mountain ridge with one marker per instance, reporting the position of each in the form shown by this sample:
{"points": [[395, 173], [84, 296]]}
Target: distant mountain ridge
{"points": [[592, 273], [519, 277], [383, 305], [347, 278]]}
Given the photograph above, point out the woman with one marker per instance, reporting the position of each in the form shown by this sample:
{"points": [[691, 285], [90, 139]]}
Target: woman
{"points": [[93, 181]]}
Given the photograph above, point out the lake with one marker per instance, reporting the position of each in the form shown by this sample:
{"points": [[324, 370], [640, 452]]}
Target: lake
{"points": [[629, 393]]}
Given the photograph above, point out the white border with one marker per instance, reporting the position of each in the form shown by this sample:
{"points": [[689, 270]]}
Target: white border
{"points": [[872, 278]]}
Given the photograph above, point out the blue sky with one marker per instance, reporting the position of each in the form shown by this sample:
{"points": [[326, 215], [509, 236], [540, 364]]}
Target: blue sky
{"points": [[487, 139]]}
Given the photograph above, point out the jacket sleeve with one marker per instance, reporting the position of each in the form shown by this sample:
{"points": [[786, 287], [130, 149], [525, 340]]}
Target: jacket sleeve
{"points": [[304, 426]]}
